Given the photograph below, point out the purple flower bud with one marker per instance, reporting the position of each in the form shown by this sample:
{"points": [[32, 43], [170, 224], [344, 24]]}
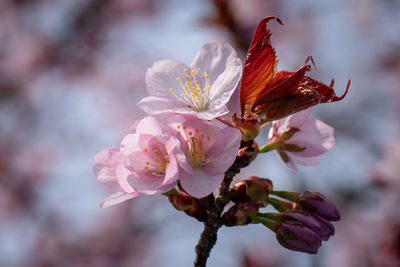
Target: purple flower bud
{"points": [[296, 236], [241, 213], [317, 203], [314, 222]]}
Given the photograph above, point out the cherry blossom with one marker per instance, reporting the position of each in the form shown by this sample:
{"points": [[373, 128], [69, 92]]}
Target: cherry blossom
{"points": [[210, 149], [146, 162], [300, 139], [202, 89]]}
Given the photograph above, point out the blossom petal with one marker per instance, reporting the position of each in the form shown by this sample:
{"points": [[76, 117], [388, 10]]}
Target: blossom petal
{"points": [[159, 105], [105, 165], [223, 161], [162, 76], [123, 177], [315, 136], [116, 198], [200, 184], [293, 121], [306, 161]]}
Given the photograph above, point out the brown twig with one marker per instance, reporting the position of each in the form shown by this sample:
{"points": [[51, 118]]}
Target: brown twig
{"points": [[215, 207]]}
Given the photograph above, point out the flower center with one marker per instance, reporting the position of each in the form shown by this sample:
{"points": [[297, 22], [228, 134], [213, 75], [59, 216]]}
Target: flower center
{"points": [[157, 159], [191, 93], [197, 144]]}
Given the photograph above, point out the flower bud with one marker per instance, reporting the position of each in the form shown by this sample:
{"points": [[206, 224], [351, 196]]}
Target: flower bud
{"points": [[185, 202], [292, 233], [247, 153], [317, 203], [250, 127], [241, 213], [314, 222], [296, 236], [252, 189], [313, 202]]}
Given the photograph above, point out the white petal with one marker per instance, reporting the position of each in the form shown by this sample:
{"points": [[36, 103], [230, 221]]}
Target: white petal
{"points": [[117, 198], [161, 105], [162, 76], [223, 67]]}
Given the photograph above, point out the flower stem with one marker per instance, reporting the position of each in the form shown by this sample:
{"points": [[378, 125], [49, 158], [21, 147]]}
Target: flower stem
{"points": [[215, 207], [268, 147]]}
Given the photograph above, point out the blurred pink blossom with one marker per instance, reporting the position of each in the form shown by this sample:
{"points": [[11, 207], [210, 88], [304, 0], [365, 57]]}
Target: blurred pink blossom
{"points": [[301, 139], [205, 88]]}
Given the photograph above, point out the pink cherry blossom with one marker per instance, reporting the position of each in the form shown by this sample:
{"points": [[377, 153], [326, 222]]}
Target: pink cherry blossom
{"points": [[210, 149], [301, 139], [146, 162], [202, 89], [106, 164]]}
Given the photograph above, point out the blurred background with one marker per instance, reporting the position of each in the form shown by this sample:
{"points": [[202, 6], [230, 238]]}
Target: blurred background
{"points": [[72, 71]]}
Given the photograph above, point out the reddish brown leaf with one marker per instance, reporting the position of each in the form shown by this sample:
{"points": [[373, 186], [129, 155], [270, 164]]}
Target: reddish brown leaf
{"points": [[260, 65]]}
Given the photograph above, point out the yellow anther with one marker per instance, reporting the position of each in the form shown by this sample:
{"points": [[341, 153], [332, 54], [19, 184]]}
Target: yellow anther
{"points": [[178, 79], [203, 95], [186, 87], [185, 71], [202, 135], [206, 75], [157, 142], [197, 130], [184, 127], [183, 94], [147, 163], [197, 82], [146, 168], [193, 72], [154, 173], [178, 127], [190, 133], [208, 87], [208, 138], [145, 150], [171, 90]]}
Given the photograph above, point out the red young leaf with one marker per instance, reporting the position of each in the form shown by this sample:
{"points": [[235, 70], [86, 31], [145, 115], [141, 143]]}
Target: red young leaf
{"points": [[260, 65]]}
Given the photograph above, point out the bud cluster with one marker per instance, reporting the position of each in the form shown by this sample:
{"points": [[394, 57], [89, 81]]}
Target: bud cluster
{"points": [[303, 220]]}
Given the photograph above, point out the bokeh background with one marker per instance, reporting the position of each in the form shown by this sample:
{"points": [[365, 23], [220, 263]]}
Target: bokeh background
{"points": [[72, 71]]}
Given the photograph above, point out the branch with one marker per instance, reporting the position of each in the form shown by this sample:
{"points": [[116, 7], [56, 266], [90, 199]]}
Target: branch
{"points": [[215, 208]]}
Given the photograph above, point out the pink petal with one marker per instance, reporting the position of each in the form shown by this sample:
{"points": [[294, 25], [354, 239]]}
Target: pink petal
{"points": [[315, 136], [150, 125], [105, 165], [306, 161], [116, 198], [162, 76], [171, 172], [200, 184], [293, 121], [123, 177], [129, 144], [223, 161]]}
